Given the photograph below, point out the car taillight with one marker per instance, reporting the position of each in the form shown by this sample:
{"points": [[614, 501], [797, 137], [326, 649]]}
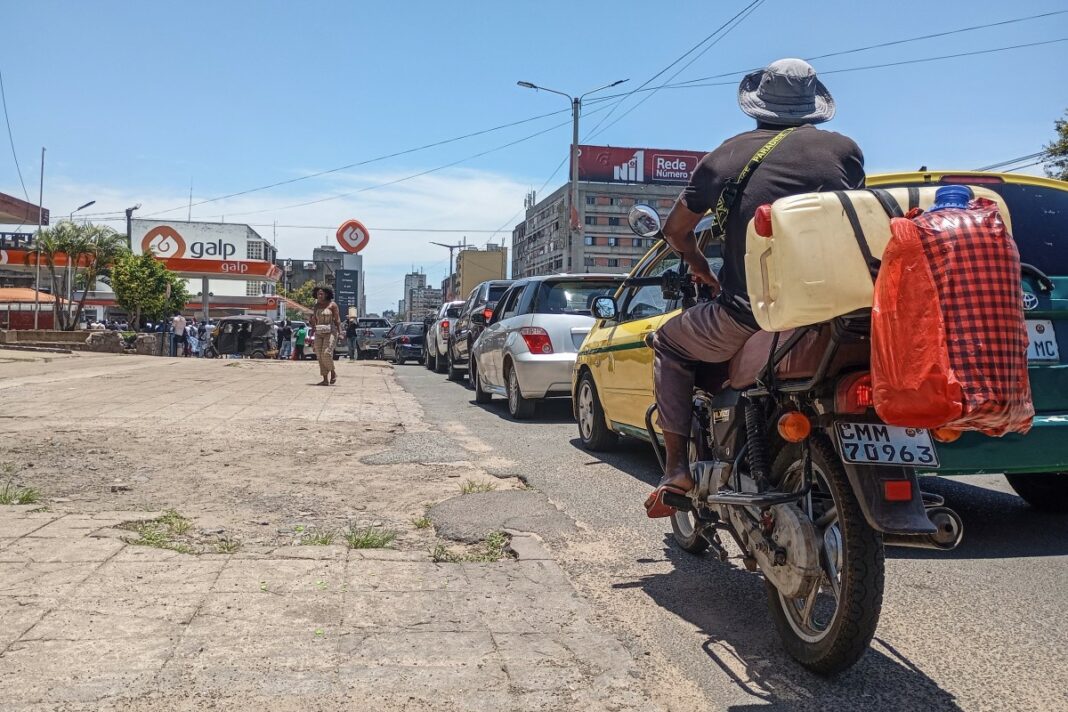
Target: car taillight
{"points": [[488, 313], [537, 339], [855, 394], [405, 340], [445, 327]]}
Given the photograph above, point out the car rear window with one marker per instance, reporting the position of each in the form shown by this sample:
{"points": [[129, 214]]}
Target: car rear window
{"points": [[373, 323], [1039, 223], [412, 329], [452, 312], [496, 291], [575, 297]]}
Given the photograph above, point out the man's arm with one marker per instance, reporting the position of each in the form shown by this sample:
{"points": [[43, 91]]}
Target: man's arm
{"points": [[678, 231]]}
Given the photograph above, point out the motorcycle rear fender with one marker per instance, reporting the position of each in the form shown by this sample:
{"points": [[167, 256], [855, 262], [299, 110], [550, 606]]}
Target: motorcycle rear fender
{"points": [[888, 517]]}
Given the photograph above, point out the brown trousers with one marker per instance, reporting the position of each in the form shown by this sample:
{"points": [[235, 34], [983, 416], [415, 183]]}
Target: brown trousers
{"points": [[324, 351], [705, 333]]}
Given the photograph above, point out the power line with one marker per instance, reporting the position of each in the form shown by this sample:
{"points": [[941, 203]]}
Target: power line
{"points": [[1002, 164], [737, 20], [11, 140], [365, 162], [894, 64], [893, 43], [681, 57]]}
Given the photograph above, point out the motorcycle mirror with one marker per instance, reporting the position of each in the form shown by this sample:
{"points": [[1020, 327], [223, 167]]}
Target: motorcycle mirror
{"points": [[644, 220], [604, 308]]}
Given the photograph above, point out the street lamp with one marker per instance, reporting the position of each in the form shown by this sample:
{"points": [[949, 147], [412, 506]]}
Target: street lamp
{"points": [[129, 223], [576, 109], [80, 208], [450, 248]]}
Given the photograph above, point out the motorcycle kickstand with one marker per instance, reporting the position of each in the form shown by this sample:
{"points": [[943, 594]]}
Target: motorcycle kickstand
{"points": [[710, 534]]}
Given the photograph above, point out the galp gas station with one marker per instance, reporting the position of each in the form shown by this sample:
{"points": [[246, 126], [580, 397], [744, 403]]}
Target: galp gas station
{"points": [[229, 267]]}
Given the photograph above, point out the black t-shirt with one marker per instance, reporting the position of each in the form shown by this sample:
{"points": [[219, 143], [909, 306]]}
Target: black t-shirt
{"points": [[350, 329], [806, 161], [285, 333]]}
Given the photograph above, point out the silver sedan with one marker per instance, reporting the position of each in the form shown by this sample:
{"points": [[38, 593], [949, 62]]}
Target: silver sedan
{"points": [[527, 351]]}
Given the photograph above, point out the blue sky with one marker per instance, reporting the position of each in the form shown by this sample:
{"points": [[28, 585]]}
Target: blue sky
{"points": [[134, 100]]}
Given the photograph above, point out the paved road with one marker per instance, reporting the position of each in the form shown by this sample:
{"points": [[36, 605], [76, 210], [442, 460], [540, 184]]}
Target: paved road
{"points": [[981, 628]]}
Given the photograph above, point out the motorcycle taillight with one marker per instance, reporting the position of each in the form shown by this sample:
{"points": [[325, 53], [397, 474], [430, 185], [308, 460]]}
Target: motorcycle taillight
{"points": [[854, 394]]}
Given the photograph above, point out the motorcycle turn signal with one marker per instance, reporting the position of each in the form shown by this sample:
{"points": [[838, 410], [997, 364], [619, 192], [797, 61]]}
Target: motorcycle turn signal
{"points": [[794, 426]]}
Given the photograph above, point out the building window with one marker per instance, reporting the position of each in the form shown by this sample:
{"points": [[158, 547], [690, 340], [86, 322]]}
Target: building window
{"points": [[613, 221], [613, 262], [591, 200], [588, 261], [252, 289], [613, 242], [588, 240], [255, 250], [636, 242]]}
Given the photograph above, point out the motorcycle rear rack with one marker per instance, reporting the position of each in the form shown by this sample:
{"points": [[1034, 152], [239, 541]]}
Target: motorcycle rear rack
{"points": [[731, 498]]}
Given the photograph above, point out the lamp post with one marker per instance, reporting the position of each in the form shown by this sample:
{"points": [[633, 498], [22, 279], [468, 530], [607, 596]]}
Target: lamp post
{"points": [[129, 225], [80, 208], [450, 248], [576, 109]]}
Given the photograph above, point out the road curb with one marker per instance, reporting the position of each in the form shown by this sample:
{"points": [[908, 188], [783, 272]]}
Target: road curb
{"points": [[527, 546]]}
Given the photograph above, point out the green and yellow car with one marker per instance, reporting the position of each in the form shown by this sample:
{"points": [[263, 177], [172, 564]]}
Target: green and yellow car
{"points": [[613, 377]]}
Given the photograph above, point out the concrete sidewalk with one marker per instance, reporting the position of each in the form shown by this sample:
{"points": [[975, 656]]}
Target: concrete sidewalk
{"points": [[91, 621]]}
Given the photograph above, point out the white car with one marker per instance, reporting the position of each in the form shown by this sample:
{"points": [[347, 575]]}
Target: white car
{"points": [[437, 337], [527, 351]]}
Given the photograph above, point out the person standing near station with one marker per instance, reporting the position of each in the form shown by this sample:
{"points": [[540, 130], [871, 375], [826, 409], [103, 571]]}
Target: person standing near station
{"points": [[285, 341], [326, 319], [177, 334], [350, 337], [299, 338]]}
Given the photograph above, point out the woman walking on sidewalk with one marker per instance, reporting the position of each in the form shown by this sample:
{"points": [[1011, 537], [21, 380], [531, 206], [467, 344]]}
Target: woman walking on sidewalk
{"points": [[327, 322]]}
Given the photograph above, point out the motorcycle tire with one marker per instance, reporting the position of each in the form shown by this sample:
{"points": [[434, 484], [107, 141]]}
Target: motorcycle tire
{"points": [[684, 524], [848, 633]]}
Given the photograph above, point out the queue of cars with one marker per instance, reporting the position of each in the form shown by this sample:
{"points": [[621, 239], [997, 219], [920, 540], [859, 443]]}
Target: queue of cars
{"points": [[538, 338]]}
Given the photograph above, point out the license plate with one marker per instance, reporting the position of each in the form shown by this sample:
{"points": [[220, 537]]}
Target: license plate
{"points": [[878, 444], [1042, 342]]}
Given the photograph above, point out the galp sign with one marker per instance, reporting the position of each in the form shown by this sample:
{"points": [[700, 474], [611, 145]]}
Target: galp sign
{"points": [[353, 236]]}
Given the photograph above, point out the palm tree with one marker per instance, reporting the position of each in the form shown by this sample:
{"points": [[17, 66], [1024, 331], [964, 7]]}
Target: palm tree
{"points": [[102, 246]]}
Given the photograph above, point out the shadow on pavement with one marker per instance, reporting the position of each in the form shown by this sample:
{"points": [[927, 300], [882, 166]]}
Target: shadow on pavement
{"points": [[997, 525], [729, 606], [630, 456], [553, 411]]}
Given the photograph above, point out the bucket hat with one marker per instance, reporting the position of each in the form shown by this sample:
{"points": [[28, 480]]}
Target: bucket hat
{"points": [[786, 93]]}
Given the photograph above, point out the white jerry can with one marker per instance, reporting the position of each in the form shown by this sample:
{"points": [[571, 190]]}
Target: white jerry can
{"points": [[812, 268]]}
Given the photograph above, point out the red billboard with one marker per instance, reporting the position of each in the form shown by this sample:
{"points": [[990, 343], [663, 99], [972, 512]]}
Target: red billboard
{"points": [[610, 164]]}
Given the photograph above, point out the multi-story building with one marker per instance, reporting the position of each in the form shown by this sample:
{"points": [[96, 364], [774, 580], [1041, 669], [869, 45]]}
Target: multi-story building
{"points": [[474, 266], [611, 181], [330, 266], [422, 302]]}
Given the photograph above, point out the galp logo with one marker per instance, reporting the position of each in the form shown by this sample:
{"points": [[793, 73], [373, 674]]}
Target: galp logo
{"points": [[163, 241], [353, 236]]}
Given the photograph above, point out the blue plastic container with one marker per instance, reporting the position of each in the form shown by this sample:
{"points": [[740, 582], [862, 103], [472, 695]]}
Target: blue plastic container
{"points": [[951, 196]]}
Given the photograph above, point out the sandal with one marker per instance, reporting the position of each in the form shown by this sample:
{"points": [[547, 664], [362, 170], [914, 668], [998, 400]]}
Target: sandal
{"points": [[654, 503], [333, 378]]}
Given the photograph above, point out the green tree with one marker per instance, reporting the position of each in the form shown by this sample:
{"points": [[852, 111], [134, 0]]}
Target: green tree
{"points": [[140, 283], [1057, 150], [101, 246], [301, 295]]}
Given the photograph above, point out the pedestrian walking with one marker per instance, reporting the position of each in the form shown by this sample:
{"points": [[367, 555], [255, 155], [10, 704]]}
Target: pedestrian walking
{"points": [[202, 336], [177, 333], [192, 343], [350, 337], [285, 338], [299, 338], [326, 319]]}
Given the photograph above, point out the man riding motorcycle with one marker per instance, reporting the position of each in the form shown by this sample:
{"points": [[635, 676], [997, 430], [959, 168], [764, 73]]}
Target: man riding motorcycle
{"points": [[785, 155]]}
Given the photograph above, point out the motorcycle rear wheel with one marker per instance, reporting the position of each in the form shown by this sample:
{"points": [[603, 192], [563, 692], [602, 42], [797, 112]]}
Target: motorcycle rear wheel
{"points": [[834, 630], [684, 524]]}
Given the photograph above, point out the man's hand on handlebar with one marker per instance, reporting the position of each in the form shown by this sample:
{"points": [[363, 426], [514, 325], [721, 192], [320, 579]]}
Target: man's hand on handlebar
{"points": [[701, 272]]}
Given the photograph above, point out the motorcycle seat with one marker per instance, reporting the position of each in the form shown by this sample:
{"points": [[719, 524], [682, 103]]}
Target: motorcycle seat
{"points": [[801, 362]]}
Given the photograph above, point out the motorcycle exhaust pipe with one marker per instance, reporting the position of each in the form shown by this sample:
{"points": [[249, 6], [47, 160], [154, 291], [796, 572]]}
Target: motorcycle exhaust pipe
{"points": [[948, 537]]}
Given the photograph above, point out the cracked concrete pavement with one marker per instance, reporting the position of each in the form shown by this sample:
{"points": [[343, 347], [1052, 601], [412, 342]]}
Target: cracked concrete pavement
{"points": [[91, 621]]}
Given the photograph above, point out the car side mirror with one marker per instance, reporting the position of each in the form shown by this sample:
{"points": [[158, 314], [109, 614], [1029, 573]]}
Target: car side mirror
{"points": [[478, 318], [644, 220], [604, 308]]}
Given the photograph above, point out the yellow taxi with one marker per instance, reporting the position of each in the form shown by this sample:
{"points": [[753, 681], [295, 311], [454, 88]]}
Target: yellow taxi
{"points": [[612, 384]]}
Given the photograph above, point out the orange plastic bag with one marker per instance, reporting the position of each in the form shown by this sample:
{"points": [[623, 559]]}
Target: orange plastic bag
{"points": [[949, 343]]}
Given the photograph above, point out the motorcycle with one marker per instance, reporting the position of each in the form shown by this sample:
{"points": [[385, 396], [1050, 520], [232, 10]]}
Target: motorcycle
{"points": [[791, 462]]}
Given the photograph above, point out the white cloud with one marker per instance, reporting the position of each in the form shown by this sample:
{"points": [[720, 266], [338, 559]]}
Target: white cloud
{"points": [[454, 199]]}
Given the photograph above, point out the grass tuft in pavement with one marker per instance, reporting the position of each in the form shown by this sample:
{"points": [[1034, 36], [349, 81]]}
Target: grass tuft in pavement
{"points": [[422, 523], [318, 538], [472, 487], [369, 537], [491, 549], [227, 545], [13, 494], [160, 533]]}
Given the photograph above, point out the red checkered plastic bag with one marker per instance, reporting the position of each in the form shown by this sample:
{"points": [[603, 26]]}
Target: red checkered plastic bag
{"points": [[949, 343]]}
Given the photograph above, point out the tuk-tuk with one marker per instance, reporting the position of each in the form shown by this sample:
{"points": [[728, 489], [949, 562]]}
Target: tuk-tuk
{"points": [[248, 336]]}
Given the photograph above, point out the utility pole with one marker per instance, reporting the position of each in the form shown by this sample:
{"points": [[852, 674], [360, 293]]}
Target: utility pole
{"points": [[450, 248], [129, 225], [37, 250], [573, 207]]}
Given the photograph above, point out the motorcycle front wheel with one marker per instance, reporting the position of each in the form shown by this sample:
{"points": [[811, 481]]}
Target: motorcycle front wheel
{"points": [[830, 628]]}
